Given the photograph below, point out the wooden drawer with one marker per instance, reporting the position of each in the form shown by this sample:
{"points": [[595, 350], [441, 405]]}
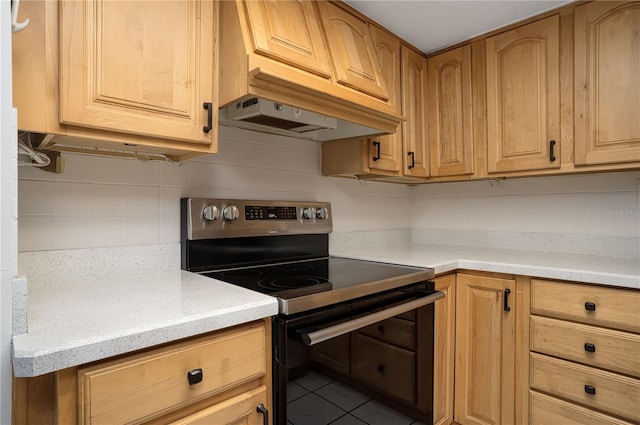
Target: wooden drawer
{"points": [[615, 394], [386, 367], [614, 350], [238, 410], [546, 410], [615, 308], [155, 382], [395, 331]]}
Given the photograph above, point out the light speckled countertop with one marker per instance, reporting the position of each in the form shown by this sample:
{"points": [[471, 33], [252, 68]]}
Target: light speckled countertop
{"points": [[621, 272], [79, 321]]}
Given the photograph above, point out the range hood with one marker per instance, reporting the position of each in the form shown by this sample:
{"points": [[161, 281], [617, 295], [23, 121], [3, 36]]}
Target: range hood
{"points": [[291, 80], [266, 116]]}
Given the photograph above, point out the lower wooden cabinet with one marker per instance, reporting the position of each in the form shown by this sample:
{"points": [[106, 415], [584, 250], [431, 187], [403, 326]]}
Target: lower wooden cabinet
{"points": [[220, 378], [485, 350]]}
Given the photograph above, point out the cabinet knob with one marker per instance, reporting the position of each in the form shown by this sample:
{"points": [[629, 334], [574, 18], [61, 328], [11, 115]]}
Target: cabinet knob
{"points": [[380, 368], [590, 348], [194, 376], [380, 328], [590, 389], [589, 306]]}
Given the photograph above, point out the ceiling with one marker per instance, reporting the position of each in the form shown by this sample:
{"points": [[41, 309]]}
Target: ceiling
{"points": [[432, 25]]}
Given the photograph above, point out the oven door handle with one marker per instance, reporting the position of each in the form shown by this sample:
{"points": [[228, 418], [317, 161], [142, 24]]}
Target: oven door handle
{"points": [[333, 331]]}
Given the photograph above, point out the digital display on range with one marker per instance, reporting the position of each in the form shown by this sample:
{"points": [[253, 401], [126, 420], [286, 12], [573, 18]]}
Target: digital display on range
{"points": [[270, 213]]}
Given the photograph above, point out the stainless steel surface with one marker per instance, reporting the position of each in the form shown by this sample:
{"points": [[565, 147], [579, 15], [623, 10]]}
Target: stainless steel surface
{"points": [[333, 331], [231, 213], [199, 227], [322, 213], [321, 299], [309, 213]]}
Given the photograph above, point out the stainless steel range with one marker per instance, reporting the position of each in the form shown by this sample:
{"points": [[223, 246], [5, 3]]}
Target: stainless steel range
{"points": [[282, 249]]}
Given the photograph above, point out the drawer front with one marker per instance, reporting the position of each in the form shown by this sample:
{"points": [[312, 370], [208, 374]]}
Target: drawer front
{"points": [[395, 331], [595, 305], [613, 350], [239, 410], [155, 382], [546, 410], [386, 367], [613, 393]]}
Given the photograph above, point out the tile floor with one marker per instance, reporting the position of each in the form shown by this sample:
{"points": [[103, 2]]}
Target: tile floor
{"points": [[315, 399]]}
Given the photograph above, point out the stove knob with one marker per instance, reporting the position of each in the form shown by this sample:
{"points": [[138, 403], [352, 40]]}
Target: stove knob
{"points": [[210, 213], [308, 213], [322, 213], [231, 213]]}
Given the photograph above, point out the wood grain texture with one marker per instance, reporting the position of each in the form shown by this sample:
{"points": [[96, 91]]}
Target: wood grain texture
{"points": [[444, 354], [546, 410]]}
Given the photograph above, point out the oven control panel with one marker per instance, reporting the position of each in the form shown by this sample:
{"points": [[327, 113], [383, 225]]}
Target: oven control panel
{"points": [[224, 218]]}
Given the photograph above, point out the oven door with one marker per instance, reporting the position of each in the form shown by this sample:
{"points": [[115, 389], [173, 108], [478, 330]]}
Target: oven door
{"points": [[312, 327]]}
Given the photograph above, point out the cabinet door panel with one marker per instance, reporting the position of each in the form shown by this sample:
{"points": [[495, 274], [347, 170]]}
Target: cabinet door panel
{"points": [[485, 351], [607, 83], [414, 108], [138, 67], [444, 358], [288, 31], [388, 52], [523, 97], [354, 57], [450, 114]]}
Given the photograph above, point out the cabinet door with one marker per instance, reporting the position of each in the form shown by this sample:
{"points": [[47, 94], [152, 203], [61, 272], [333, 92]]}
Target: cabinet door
{"points": [[289, 32], [607, 83], [414, 108], [139, 67], [385, 151], [355, 63], [450, 113], [485, 350], [239, 410], [523, 98], [444, 343]]}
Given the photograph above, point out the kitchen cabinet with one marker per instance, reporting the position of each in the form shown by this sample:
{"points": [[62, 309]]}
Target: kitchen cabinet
{"points": [[316, 56], [523, 98], [584, 345], [119, 78], [444, 351], [485, 350], [222, 378], [451, 144], [414, 108], [607, 87]]}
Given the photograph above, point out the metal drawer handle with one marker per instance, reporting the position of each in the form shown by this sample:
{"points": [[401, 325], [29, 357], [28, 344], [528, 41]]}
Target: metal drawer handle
{"points": [[506, 300], [589, 306], [209, 107], [377, 155], [590, 348], [265, 413], [333, 331], [590, 389], [194, 376]]}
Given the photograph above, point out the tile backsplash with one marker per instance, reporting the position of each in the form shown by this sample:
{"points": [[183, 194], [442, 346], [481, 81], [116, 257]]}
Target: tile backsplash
{"points": [[104, 202]]}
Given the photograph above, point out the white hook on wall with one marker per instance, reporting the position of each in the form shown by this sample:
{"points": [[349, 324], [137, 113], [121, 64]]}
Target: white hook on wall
{"points": [[15, 26]]}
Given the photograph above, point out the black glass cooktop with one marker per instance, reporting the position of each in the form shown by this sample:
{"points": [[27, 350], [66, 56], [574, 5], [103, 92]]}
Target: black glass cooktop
{"points": [[295, 279]]}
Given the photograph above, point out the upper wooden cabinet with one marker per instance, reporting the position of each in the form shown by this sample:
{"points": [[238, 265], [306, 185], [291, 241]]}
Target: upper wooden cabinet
{"points": [[523, 97], [354, 57], [414, 108], [289, 32], [607, 83], [119, 75], [317, 56], [450, 113]]}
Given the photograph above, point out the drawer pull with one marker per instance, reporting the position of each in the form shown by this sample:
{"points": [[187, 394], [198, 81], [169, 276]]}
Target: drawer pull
{"points": [[380, 328], [591, 348], [380, 368], [589, 306], [194, 376], [506, 299], [377, 155], [265, 413], [209, 107], [590, 389]]}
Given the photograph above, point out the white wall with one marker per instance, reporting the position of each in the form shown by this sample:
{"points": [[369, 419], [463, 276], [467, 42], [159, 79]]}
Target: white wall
{"points": [[8, 214], [591, 204], [99, 202]]}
